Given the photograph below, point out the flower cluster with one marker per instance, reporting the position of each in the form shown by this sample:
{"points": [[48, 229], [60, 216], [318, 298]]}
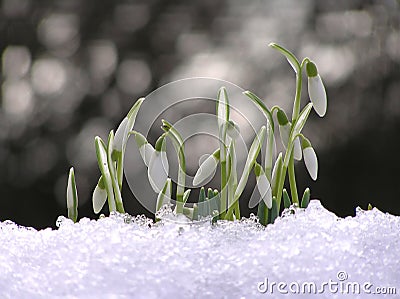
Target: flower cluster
{"points": [[223, 203]]}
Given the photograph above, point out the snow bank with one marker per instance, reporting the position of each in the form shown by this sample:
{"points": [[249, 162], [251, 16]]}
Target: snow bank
{"points": [[119, 257]]}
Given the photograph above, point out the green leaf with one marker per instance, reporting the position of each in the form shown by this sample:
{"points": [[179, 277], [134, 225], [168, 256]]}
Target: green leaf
{"points": [[301, 121], [286, 199], [131, 120], [251, 158], [370, 207], [276, 174], [274, 210], [306, 198], [186, 195], [289, 56], [201, 204], [72, 196], [164, 197], [210, 193], [262, 213]]}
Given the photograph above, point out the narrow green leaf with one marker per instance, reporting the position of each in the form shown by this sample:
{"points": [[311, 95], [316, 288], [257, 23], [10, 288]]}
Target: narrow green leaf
{"points": [[274, 210], [286, 199], [164, 197], [251, 158], [201, 204], [72, 196], [186, 195], [262, 213], [276, 174], [306, 198], [195, 212]]}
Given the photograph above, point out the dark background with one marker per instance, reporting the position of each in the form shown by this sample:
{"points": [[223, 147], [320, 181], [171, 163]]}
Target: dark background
{"points": [[71, 70]]}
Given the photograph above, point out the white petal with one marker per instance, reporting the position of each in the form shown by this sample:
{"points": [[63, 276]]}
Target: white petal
{"points": [[146, 151], [120, 135], [316, 91], [297, 153], [158, 170], [205, 170], [99, 198], [311, 161], [203, 158], [264, 187]]}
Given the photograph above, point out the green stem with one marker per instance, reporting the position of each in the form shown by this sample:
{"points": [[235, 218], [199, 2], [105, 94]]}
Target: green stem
{"points": [[292, 181], [120, 169], [295, 115], [177, 141], [223, 193]]}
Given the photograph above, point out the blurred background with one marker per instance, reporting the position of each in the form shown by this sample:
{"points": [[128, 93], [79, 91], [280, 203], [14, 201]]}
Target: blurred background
{"points": [[71, 70]]}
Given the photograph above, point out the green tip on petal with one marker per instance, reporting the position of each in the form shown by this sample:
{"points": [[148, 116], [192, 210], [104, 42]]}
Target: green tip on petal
{"points": [[282, 118], [305, 143], [370, 207], [311, 69]]}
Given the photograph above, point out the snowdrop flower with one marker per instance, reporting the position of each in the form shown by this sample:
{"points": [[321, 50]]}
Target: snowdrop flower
{"points": [[99, 196], [284, 126], [316, 89], [206, 169], [310, 158], [264, 186], [146, 150], [158, 166]]}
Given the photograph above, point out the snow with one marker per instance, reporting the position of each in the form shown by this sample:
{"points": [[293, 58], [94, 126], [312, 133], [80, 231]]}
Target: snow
{"points": [[130, 257]]}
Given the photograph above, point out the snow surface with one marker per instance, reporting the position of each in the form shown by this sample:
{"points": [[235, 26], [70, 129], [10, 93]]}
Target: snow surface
{"points": [[123, 257]]}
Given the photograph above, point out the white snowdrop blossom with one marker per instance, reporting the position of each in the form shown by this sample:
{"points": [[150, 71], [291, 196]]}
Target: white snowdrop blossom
{"points": [[316, 89], [311, 161], [99, 198], [206, 169]]}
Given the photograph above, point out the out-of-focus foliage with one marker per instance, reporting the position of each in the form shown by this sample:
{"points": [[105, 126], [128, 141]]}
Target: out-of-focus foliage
{"points": [[71, 70]]}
